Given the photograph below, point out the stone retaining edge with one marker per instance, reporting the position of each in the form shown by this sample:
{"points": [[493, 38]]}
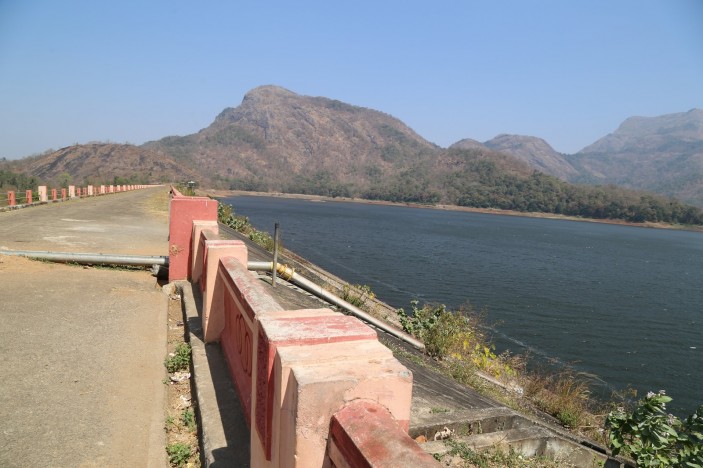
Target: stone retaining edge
{"points": [[224, 435]]}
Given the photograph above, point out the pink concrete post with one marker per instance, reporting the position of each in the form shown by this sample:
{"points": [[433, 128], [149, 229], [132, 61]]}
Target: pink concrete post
{"points": [[11, 201], [41, 193], [71, 191], [299, 330], [53, 194], [183, 211], [213, 310], [28, 196], [295, 356], [314, 391], [63, 194], [366, 434], [84, 192], [198, 246]]}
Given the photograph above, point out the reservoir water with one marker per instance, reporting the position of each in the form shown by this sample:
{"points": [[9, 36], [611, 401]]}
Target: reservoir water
{"points": [[624, 304]]}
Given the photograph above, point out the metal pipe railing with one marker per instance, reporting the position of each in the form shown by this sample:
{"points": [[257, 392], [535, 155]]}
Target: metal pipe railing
{"points": [[90, 258], [287, 273]]}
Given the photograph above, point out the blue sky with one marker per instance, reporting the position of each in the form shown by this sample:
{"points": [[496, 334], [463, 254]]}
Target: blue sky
{"points": [[134, 71]]}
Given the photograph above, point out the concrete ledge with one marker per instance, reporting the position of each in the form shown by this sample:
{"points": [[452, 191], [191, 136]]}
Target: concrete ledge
{"points": [[224, 432]]}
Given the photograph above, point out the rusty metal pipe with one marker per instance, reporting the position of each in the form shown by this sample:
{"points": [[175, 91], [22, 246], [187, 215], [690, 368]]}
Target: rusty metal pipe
{"points": [[287, 273]]}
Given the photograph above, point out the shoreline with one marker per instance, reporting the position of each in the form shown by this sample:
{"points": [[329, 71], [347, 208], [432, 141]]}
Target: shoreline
{"points": [[494, 211]]}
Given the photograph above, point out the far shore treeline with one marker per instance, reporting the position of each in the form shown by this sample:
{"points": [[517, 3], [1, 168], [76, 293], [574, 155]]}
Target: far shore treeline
{"points": [[479, 185]]}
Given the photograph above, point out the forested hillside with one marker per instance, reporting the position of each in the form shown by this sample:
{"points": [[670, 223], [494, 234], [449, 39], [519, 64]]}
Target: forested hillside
{"points": [[279, 141]]}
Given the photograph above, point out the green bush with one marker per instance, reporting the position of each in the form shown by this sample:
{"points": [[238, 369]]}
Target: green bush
{"points": [[654, 438], [454, 335]]}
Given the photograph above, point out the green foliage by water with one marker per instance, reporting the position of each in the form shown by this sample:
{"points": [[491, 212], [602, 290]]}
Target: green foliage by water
{"points": [[454, 336], [226, 215], [456, 340], [654, 438]]}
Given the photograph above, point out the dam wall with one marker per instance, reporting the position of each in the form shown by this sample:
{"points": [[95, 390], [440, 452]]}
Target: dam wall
{"points": [[316, 386]]}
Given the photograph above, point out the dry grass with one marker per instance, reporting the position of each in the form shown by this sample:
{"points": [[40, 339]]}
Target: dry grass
{"points": [[157, 203]]}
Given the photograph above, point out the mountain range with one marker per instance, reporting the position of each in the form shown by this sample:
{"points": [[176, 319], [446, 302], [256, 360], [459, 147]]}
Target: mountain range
{"points": [[277, 140]]}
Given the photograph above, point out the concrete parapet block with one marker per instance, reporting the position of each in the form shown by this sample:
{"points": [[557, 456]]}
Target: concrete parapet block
{"points": [[314, 393], [11, 198], [42, 193], [198, 247], [183, 211], [28, 197], [242, 298], [366, 434], [214, 251], [298, 328], [91, 190], [71, 191], [63, 194], [53, 194], [332, 353]]}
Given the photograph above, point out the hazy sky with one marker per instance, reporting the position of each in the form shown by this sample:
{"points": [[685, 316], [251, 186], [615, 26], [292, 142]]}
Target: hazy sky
{"points": [[133, 71]]}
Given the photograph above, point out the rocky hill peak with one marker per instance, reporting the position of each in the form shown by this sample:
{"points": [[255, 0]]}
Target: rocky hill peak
{"points": [[534, 151], [647, 133]]}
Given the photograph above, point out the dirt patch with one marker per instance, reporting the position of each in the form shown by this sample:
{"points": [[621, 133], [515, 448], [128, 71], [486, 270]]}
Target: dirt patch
{"points": [[180, 422], [20, 264]]}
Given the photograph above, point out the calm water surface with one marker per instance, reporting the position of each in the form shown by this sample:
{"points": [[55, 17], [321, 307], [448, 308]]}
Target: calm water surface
{"points": [[622, 303]]}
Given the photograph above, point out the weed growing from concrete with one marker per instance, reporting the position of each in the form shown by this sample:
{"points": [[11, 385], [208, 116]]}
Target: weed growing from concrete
{"points": [[181, 422], [496, 458], [170, 422], [188, 419], [357, 295], [180, 360], [439, 410], [178, 454]]}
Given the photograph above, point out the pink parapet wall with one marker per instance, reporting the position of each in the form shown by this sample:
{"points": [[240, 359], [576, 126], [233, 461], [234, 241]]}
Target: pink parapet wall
{"points": [[185, 210], [305, 378]]}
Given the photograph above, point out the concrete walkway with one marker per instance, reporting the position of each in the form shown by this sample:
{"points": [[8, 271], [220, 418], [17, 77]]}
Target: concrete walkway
{"points": [[83, 348]]}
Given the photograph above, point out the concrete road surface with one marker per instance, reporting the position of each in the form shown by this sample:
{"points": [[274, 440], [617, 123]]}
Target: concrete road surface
{"points": [[83, 348]]}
